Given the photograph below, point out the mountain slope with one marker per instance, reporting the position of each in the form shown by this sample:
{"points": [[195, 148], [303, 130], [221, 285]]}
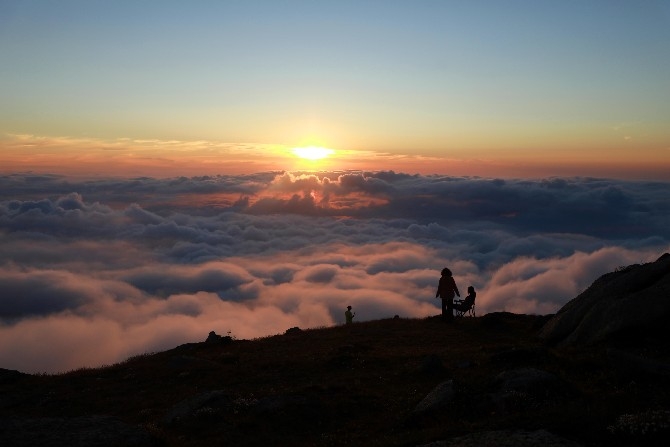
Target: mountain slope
{"points": [[394, 382]]}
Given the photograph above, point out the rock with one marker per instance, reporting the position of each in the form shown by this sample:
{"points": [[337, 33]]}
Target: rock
{"points": [[525, 389], [633, 298], [211, 401], [293, 330], [527, 380], [213, 337], [90, 431], [506, 438], [440, 397]]}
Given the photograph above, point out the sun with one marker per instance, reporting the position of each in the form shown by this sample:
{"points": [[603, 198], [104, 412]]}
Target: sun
{"points": [[312, 152]]}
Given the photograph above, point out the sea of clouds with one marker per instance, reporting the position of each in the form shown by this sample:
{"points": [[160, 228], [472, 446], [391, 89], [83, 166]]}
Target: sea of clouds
{"points": [[95, 271]]}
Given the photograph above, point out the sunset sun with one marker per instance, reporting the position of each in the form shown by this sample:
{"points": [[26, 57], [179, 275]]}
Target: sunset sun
{"points": [[312, 152]]}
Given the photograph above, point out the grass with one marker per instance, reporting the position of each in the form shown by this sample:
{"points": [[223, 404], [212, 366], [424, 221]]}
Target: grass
{"points": [[358, 385]]}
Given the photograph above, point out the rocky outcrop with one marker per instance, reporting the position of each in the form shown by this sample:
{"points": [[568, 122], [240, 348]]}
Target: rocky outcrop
{"points": [[213, 337], [633, 298]]}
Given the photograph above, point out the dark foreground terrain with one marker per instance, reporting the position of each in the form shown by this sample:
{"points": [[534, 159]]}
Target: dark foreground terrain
{"points": [[395, 382]]}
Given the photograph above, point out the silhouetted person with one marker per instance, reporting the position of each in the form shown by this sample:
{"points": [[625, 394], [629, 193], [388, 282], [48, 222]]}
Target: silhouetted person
{"points": [[468, 302], [349, 316], [445, 290]]}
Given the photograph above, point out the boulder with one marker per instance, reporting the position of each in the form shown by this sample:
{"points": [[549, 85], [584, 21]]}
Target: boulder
{"points": [[440, 397], [526, 388], [199, 404], [526, 380], [634, 298]]}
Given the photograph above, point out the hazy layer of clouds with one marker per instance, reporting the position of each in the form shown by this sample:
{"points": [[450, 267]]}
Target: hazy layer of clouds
{"points": [[95, 271]]}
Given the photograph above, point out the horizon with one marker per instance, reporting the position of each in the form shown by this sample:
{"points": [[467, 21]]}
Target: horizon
{"points": [[168, 169]]}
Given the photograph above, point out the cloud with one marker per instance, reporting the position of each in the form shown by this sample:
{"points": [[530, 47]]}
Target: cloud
{"points": [[43, 293], [108, 268], [215, 277]]}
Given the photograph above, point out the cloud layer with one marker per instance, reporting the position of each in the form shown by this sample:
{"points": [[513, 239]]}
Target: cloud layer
{"points": [[96, 271]]}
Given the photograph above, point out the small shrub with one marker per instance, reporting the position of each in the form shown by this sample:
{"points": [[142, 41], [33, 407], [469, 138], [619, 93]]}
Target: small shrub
{"points": [[647, 424], [242, 403]]}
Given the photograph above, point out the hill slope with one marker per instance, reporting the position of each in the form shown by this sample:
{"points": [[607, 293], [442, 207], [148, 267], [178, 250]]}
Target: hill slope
{"points": [[395, 382]]}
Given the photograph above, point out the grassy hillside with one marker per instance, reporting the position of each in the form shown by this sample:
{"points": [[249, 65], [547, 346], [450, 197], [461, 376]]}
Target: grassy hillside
{"points": [[360, 384]]}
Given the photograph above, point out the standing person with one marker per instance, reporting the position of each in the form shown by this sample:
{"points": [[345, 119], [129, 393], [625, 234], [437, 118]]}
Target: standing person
{"points": [[349, 316], [445, 290]]}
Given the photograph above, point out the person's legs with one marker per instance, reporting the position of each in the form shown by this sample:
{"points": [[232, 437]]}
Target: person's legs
{"points": [[447, 309]]}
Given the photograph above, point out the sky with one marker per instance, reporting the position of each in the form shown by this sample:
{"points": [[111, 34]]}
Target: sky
{"points": [[494, 88], [151, 190]]}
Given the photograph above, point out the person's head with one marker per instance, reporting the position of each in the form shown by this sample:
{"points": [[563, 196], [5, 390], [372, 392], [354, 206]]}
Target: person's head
{"points": [[348, 307], [446, 272], [471, 289]]}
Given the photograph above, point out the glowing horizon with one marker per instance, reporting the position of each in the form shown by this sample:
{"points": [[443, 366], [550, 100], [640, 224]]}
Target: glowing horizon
{"points": [[447, 87], [126, 157]]}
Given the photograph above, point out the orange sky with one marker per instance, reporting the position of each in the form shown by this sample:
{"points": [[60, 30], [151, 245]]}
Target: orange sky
{"points": [[156, 158], [514, 89]]}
